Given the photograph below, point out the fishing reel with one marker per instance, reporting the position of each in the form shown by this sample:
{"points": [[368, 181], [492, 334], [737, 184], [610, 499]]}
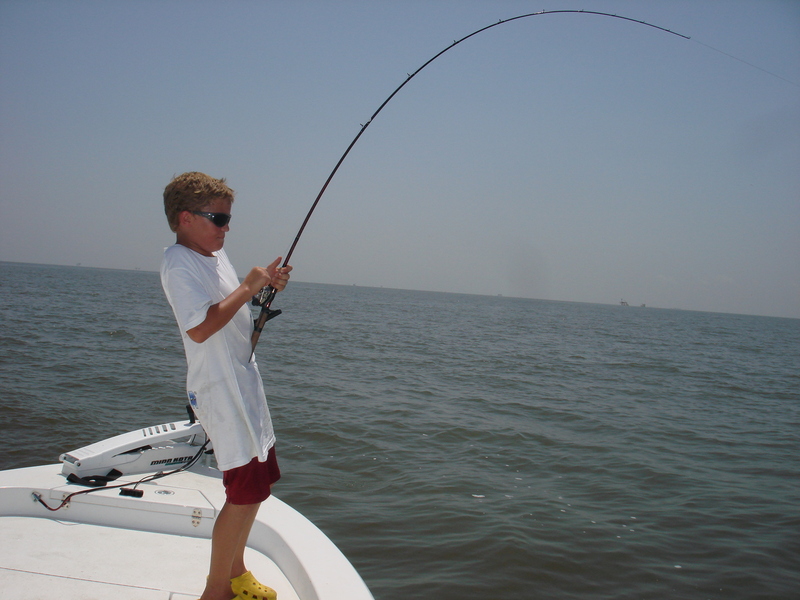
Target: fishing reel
{"points": [[264, 299]]}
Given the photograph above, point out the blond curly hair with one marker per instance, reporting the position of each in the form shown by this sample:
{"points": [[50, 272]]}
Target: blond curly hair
{"points": [[192, 191]]}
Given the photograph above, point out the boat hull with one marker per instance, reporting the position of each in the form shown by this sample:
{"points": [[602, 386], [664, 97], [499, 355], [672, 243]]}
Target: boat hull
{"points": [[182, 505]]}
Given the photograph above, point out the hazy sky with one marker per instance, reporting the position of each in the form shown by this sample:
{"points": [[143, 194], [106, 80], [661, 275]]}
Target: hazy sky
{"points": [[564, 157]]}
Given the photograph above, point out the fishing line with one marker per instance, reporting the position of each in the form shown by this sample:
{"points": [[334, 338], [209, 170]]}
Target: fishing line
{"points": [[265, 297], [749, 64]]}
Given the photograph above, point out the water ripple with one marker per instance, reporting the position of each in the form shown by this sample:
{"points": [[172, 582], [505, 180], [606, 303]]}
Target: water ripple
{"points": [[463, 446]]}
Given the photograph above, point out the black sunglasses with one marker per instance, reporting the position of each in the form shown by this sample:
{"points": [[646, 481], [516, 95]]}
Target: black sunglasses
{"points": [[218, 219]]}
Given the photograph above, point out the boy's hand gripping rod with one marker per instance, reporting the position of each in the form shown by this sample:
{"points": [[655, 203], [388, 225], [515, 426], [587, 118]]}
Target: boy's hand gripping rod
{"points": [[266, 295]]}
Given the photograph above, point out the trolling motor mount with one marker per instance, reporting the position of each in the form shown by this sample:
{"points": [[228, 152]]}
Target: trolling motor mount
{"points": [[145, 450]]}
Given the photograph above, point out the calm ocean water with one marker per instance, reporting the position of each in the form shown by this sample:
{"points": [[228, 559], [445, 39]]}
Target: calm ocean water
{"points": [[460, 446]]}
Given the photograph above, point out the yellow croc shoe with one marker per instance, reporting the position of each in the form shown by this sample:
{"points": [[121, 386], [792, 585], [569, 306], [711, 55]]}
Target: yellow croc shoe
{"points": [[248, 587]]}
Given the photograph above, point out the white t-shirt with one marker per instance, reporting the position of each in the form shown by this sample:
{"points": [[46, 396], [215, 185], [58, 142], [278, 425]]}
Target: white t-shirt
{"points": [[223, 384]]}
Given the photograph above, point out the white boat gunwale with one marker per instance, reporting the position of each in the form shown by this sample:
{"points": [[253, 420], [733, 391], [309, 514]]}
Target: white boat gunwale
{"points": [[187, 503]]}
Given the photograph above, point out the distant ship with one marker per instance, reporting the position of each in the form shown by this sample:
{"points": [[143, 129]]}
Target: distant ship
{"points": [[623, 303]]}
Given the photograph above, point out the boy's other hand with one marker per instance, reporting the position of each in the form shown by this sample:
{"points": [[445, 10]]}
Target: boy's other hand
{"points": [[279, 276]]}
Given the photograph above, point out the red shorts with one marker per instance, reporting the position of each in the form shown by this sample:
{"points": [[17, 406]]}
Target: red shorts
{"points": [[250, 483]]}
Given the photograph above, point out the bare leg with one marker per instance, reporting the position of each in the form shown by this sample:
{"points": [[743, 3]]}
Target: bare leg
{"points": [[227, 548], [237, 566]]}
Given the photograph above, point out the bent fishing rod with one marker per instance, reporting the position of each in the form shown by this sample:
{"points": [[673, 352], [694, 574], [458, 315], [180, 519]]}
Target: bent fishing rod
{"points": [[267, 294]]}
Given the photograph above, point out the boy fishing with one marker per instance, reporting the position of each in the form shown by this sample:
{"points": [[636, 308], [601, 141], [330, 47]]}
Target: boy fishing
{"points": [[223, 383]]}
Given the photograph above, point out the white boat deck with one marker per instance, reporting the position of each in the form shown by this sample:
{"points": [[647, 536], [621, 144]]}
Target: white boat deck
{"points": [[41, 558], [103, 545]]}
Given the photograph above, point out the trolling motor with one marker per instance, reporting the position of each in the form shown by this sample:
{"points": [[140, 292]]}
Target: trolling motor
{"points": [[146, 450], [176, 445]]}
